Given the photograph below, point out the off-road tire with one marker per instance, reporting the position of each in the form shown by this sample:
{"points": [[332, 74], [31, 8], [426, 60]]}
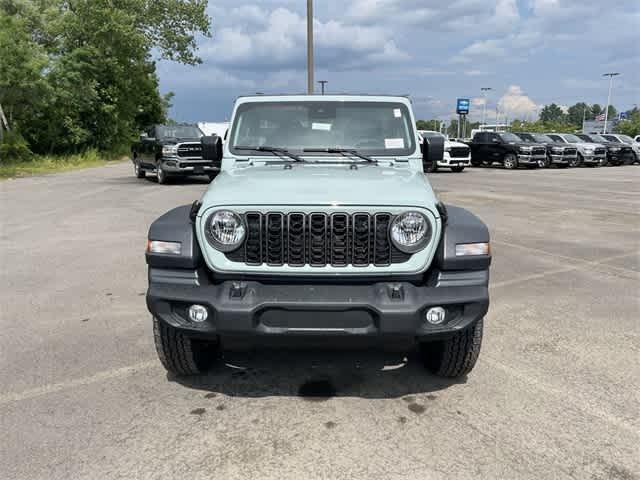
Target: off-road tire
{"points": [[182, 355], [137, 171], [577, 162], [546, 163], [510, 161], [476, 163], [455, 356], [457, 169]]}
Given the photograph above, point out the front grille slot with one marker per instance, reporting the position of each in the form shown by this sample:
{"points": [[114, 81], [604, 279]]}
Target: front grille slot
{"points": [[538, 151], [189, 150], [459, 152], [317, 239]]}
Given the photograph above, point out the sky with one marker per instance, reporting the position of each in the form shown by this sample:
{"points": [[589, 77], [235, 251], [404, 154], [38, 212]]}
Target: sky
{"points": [[529, 52]]}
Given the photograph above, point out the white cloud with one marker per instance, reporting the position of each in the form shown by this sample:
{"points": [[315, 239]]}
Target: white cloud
{"points": [[516, 104]]}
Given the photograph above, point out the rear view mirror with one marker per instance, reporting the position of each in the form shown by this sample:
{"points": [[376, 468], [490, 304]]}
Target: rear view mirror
{"points": [[211, 148], [432, 150]]}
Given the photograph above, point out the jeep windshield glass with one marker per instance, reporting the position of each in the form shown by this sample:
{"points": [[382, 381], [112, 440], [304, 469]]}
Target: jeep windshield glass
{"points": [[178, 131], [369, 128], [510, 137]]}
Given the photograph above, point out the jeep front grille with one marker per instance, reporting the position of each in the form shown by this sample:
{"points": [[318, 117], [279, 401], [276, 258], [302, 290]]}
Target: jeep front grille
{"points": [[317, 239], [459, 152], [189, 150]]}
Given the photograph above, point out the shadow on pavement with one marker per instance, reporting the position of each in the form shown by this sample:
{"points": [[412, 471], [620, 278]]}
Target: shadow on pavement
{"points": [[318, 375]]}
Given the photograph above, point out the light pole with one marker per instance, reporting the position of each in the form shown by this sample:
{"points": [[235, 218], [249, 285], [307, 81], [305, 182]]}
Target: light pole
{"points": [[310, 47], [606, 112], [484, 104], [322, 84]]}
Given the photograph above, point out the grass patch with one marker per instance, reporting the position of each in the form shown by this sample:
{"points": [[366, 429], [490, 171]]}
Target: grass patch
{"points": [[41, 164]]}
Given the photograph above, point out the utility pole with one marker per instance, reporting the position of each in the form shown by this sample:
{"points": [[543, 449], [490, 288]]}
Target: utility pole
{"points": [[322, 84], [310, 47], [484, 104], [584, 116], [606, 112]]}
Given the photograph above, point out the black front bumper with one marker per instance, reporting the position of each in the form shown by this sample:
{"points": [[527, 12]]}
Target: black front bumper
{"points": [[254, 308]]}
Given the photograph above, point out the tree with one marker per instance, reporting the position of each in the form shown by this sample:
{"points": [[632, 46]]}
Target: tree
{"points": [[92, 64], [577, 112], [631, 125], [596, 110], [612, 111], [428, 125], [552, 113]]}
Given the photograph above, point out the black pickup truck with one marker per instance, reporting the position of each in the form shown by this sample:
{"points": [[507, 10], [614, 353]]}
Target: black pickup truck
{"points": [[171, 150], [559, 154], [507, 149], [618, 153]]}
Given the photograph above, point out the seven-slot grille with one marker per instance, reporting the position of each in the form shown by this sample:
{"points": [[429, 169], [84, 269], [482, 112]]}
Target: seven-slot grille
{"points": [[459, 152], [317, 239], [189, 150]]}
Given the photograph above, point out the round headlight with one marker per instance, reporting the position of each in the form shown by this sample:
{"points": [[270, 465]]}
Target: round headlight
{"points": [[410, 231], [225, 230]]}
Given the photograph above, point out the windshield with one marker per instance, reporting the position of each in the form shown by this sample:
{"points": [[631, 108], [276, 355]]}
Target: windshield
{"points": [[178, 131], [572, 138], [598, 138], [509, 137], [371, 128], [525, 136], [540, 138]]}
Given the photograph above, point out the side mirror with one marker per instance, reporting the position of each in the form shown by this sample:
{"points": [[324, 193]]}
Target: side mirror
{"points": [[432, 150], [211, 148], [143, 136], [495, 140]]}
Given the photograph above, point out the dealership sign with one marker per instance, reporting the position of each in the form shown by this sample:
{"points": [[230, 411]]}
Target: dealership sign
{"points": [[462, 107]]}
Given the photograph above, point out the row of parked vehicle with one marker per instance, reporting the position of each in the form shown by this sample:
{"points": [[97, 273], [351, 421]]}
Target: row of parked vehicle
{"points": [[536, 150]]}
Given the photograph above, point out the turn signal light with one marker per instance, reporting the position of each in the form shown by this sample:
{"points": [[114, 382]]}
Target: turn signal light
{"points": [[472, 249]]}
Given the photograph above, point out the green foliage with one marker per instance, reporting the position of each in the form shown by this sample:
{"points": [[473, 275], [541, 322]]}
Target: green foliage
{"points": [[577, 112], [543, 127], [552, 113], [630, 126], [14, 146], [39, 164], [596, 110], [80, 75]]}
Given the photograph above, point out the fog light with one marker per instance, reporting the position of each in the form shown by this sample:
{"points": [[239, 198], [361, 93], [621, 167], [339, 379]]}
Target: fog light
{"points": [[435, 315], [198, 313]]}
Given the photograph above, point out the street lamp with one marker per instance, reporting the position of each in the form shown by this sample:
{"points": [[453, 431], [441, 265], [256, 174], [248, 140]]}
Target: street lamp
{"points": [[310, 47], [606, 112], [484, 106]]}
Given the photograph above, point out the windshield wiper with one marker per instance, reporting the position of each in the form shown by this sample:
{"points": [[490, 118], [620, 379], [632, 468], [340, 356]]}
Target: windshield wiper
{"points": [[343, 151], [275, 150]]}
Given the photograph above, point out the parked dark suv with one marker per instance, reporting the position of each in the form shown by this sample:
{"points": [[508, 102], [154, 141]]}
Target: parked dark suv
{"points": [[506, 148], [171, 150], [558, 153]]}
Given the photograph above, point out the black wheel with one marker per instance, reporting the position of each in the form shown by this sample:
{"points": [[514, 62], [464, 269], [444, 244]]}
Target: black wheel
{"points": [[457, 169], [546, 163], [138, 172], [476, 163], [161, 175], [510, 161], [628, 159], [576, 161], [180, 354], [455, 356], [430, 167]]}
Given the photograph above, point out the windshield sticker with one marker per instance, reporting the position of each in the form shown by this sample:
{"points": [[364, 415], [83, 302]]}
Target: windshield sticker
{"points": [[321, 126], [397, 113], [393, 143]]}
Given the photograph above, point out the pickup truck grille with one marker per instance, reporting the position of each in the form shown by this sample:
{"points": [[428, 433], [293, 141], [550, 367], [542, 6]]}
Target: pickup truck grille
{"points": [[539, 151], [459, 152], [317, 239], [570, 152], [600, 151], [189, 150]]}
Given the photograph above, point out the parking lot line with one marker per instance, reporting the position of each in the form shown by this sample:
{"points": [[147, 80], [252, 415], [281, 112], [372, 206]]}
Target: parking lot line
{"points": [[76, 382]]}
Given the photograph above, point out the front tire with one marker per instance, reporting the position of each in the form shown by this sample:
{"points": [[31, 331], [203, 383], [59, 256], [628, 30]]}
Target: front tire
{"points": [[510, 161], [457, 169], [179, 354], [161, 175], [137, 171], [456, 356]]}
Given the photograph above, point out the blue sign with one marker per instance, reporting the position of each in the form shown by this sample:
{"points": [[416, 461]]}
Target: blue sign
{"points": [[462, 107], [624, 115]]}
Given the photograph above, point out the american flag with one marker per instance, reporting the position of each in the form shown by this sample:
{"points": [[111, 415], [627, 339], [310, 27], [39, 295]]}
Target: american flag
{"points": [[600, 117]]}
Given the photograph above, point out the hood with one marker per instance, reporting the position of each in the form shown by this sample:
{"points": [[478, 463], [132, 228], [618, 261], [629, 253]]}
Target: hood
{"points": [[588, 144], [309, 184], [449, 143]]}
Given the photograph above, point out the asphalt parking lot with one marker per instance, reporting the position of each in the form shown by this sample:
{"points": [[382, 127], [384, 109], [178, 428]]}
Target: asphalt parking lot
{"points": [[555, 394]]}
